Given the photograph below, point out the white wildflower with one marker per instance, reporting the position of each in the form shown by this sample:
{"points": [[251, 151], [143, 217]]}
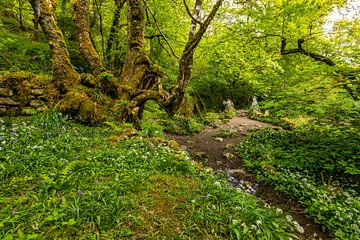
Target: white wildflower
{"points": [[218, 184]]}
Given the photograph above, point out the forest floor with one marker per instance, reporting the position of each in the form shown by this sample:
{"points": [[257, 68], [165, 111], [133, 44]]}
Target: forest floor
{"points": [[215, 147]]}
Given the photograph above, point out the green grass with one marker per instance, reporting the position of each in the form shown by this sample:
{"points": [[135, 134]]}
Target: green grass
{"points": [[67, 181], [318, 166], [19, 52]]}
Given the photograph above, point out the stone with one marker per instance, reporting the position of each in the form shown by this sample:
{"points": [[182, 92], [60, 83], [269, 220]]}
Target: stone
{"points": [[35, 103], [242, 113], [219, 139], [200, 156], [3, 111], [13, 111], [2, 82], [8, 102], [229, 156], [228, 146], [5, 92], [239, 171], [37, 92]]}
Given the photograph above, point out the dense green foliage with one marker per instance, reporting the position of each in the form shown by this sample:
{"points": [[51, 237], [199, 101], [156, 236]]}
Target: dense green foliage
{"points": [[63, 180], [20, 53], [318, 166]]}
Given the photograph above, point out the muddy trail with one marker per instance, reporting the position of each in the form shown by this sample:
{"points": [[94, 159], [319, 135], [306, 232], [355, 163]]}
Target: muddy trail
{"points": [[215, 147]]}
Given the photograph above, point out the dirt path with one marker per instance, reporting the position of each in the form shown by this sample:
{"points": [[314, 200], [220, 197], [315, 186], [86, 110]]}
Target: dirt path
{"points": [[213, 149]]}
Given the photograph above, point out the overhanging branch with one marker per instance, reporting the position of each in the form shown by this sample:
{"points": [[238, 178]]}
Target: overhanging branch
{"points": [[301, 50]]}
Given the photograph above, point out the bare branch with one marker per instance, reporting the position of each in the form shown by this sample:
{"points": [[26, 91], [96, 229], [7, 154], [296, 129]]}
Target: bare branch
{"points": [[303, 51], [161, 33], [189, 13]]}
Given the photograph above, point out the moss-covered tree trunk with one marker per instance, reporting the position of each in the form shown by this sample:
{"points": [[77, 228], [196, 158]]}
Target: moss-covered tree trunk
{"points": [[94, 97], [138, 73], [87, 49], [64, 74]]}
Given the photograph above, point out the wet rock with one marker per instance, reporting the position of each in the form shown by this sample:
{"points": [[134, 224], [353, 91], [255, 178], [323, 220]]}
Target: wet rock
{"points": [[37, 92], [5, 92], [219, 139], [8, 102]]}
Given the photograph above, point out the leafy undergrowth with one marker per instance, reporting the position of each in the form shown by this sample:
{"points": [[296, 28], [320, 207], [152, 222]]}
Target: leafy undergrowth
{"points": [[156, 121], [318, 166], [63, 180]]}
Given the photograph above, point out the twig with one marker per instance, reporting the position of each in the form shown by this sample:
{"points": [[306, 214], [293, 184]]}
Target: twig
{"points": [[162, 34]]}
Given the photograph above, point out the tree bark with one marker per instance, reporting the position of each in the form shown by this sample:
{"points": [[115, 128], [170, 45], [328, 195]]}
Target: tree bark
{"points": [[300, 49], [137, 62], [186, 61], [64, 74], [81, 18]]}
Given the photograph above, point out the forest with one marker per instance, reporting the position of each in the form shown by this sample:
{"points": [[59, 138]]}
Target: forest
{"points": [[180, 119]]}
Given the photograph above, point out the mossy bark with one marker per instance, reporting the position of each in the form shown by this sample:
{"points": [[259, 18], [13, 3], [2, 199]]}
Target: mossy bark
{"points": [[89, 98], [87, 49], [138, 72], [64, 74]]}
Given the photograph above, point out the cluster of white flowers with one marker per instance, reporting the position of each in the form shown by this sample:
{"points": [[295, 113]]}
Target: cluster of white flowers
{"points": [[297, 226], [330, 203]]}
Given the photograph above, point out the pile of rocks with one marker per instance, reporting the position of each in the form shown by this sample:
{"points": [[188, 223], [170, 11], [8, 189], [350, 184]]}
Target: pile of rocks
{"points": [[14, 103]]}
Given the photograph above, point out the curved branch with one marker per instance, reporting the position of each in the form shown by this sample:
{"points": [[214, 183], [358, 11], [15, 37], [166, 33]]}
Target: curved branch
{"points": [[162, 34], [301, 50], [191, 15]]}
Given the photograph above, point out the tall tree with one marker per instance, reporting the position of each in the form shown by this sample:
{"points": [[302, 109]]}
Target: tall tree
{"points": [[140, 79]]}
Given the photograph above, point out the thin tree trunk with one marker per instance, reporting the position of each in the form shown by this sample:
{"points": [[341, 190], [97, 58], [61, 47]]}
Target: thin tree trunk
{"points": [[64, 74], [36, 26], [81, 18], [114, 29], [21, 3]]}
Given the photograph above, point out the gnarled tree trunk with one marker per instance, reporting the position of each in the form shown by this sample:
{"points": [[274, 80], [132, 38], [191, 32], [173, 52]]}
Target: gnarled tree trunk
{"points": [[140, 79], [64, 74]]}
